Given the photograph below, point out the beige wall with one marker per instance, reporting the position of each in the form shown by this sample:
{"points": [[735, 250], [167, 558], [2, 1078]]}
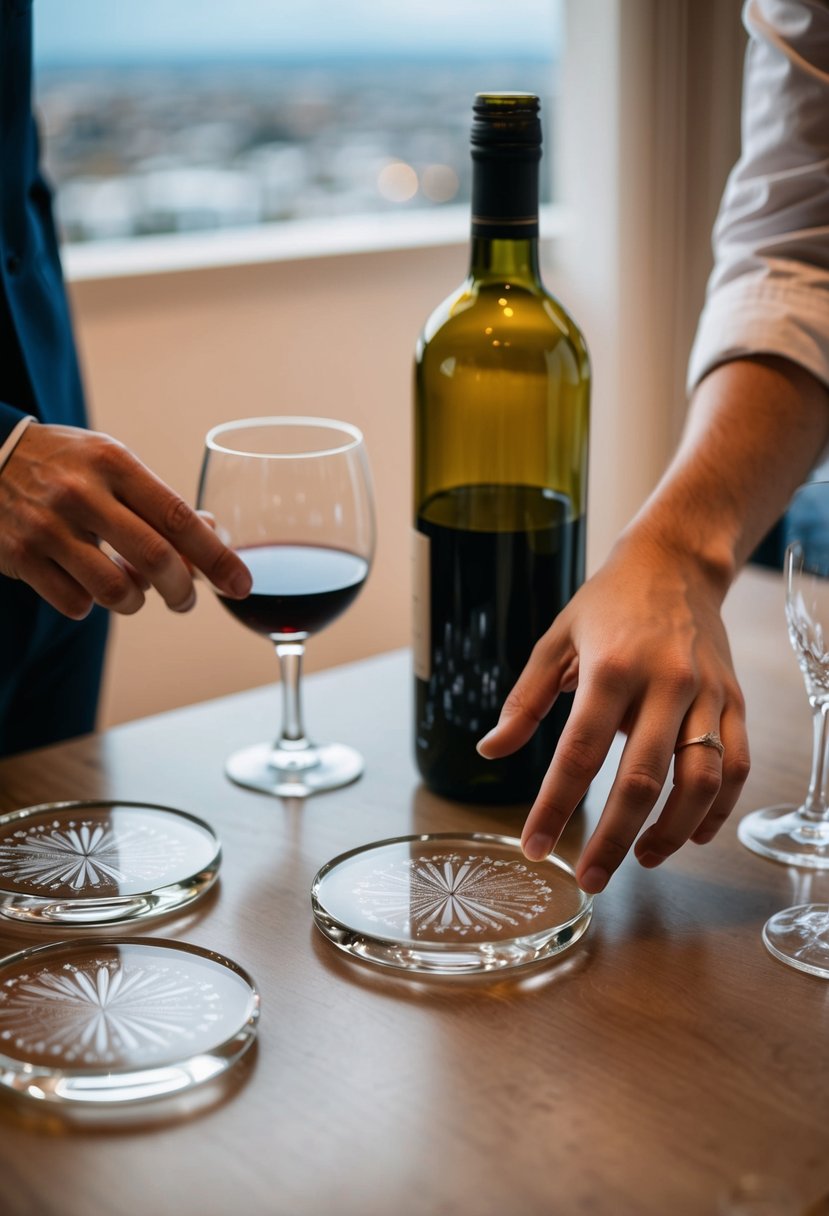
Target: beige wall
{"points": [[169, 355]]}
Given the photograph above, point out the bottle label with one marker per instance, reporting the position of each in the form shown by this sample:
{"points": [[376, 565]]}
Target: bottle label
{"points": [[421, 601]]}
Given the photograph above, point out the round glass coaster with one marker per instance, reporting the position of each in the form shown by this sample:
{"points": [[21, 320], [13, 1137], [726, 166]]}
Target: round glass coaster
{"points": [[92, 864], [449, 905], [99, 1022], [800, 937]]}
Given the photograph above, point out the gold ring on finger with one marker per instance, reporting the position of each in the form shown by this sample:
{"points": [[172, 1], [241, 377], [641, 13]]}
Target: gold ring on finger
{"points": [[710, 739]]}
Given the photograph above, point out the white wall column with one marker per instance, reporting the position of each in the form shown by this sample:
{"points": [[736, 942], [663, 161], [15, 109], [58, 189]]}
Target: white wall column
{"points": [[649, 127]]}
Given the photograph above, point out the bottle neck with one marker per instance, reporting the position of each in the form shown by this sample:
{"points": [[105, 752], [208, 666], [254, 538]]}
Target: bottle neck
{"points": [[505, 213], [504, 259]]}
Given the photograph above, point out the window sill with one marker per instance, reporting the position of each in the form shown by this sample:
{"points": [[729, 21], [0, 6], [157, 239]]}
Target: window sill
{"points": [[289, 241]]}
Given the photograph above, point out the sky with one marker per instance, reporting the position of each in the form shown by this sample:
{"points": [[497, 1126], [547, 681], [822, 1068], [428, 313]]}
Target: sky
{"points": [[68, 31]]}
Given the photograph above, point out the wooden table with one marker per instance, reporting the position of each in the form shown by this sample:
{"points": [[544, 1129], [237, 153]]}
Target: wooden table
{"points": [[665, 1057]]}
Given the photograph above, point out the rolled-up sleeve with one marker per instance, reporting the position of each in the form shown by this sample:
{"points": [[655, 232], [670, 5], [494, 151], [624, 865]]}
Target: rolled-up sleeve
{"points": [[769, 290]]}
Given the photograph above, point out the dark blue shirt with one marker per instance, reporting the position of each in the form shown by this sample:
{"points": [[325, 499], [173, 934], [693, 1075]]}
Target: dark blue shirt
{"points": [[38, 364]]}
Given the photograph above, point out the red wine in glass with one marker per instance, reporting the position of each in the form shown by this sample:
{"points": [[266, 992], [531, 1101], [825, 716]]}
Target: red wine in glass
{"points": [[297, 589], [292, 495]]}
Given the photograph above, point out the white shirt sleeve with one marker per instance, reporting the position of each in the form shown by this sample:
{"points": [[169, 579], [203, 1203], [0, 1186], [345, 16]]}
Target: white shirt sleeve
{"points": [[769, 289]]}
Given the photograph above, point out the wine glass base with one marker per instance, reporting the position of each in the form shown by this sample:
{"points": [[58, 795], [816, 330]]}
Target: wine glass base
{"points": [[253, 767], [782, 834], [799, 937]]}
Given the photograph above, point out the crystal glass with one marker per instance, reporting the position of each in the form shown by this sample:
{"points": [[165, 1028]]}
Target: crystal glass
{"points": [[293, 497], [799, 835]]}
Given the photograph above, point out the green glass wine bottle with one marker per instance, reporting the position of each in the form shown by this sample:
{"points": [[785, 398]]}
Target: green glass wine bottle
{"points": [[502, 387]]}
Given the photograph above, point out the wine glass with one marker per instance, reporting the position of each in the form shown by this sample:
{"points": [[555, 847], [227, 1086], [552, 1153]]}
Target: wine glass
{"points": [[799, 835], [293, 497]]}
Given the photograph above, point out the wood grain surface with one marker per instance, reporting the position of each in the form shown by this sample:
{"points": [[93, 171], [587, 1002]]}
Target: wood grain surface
{"points": [[661, 1060]]}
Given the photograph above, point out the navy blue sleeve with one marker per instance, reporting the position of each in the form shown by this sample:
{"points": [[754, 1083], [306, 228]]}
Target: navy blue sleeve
{"points": [[9, 418], [39, 370]]}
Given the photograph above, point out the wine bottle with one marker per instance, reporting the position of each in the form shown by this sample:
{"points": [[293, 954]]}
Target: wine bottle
{"points": [[502, 383]]}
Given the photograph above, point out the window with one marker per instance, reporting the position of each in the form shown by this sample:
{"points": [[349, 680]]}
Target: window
{"points": [[199, 115]]}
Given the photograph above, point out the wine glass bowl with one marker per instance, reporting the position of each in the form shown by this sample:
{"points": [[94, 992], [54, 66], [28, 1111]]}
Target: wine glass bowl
{"points": [[292, 496]]}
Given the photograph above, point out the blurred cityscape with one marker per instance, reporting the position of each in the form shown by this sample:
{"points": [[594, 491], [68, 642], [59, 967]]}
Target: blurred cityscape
{"points": [[163, 147]]}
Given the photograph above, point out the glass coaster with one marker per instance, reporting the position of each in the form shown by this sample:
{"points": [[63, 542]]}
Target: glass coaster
{"points": [[91, 864], [449, 905], [94, 1021]]}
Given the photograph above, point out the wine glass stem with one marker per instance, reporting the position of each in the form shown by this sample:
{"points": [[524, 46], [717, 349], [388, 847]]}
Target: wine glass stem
{"points": [[815, 805], [293, 736]]}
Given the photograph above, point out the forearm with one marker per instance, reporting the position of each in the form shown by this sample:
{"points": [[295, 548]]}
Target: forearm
{"points": [[755, 429]]}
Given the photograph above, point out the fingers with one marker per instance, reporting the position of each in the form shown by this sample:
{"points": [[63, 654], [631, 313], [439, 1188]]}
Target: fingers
{"points": [[581, 751], [85, 521], [186, 535], [705, 789], [643, 769], [736, 763], [639, 783], [530, 700], [150, 555], [705, 785], [697, 782], [131, 571], [82, 575], [132, 557], [56, 587]]}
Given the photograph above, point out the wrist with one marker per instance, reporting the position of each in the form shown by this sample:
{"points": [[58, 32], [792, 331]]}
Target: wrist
{"points": [[13, 438], [686, 543]]}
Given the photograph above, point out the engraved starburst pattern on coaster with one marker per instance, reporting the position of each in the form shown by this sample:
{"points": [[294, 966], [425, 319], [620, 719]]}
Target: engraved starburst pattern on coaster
{"points": [[88, 855], [108, 1011], [464, 895]]}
